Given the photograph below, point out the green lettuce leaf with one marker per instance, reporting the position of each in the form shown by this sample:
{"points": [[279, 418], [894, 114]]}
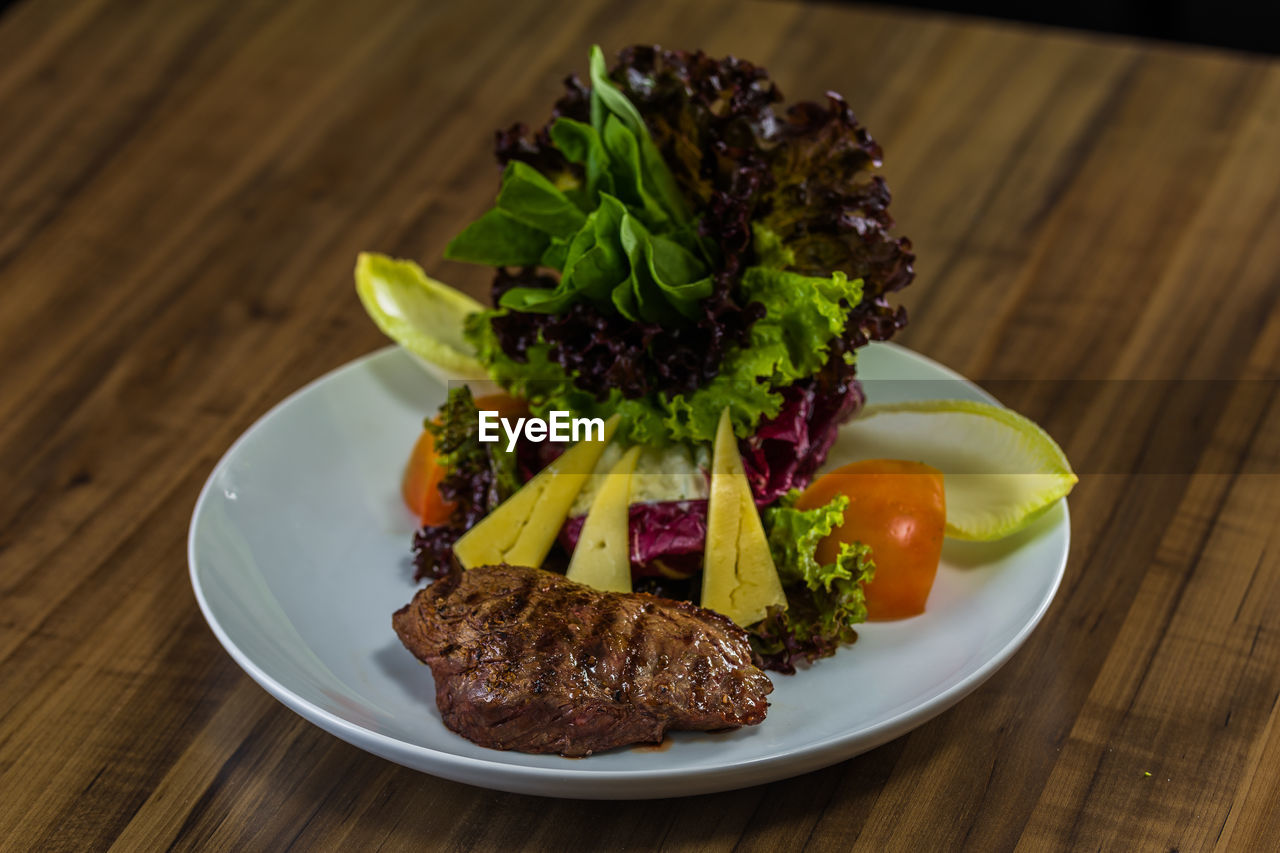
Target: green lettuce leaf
{"points": [[499, 239], [824, 601], [792, 188], [641, 175], [803, 315], [625, 241]]}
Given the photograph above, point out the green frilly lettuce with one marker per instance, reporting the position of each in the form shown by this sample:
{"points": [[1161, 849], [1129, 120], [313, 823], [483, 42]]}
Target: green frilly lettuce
{"points": [[824, 601], [803, 315]]}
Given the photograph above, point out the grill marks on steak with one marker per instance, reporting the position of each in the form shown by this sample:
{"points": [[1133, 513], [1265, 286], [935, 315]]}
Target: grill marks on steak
{"points": [[528, 660]]}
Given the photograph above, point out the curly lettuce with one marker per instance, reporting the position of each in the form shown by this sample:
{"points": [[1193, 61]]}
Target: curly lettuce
{"points": [[806, 174], [803, 316], [824, 601], [791, 189], [479, 476]]}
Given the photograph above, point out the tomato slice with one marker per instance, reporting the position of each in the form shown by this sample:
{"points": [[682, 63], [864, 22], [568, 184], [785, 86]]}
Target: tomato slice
{"points": [[420, 486], [899, 509]]}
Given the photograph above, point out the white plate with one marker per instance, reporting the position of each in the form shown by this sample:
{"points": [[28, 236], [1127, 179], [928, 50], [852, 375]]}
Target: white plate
{"points": [[299, 554]]}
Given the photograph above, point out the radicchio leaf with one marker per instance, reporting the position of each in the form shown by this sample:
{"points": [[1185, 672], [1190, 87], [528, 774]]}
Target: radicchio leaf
{"points": [[786, 450], [666, 537]]}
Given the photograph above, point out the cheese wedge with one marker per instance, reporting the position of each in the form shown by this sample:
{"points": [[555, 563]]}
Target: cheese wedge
{"points": [[523, 528], [602, 558], [739, 578]]}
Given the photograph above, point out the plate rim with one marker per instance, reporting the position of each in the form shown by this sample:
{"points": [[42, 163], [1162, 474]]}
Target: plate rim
{"points": [[605, 784]]}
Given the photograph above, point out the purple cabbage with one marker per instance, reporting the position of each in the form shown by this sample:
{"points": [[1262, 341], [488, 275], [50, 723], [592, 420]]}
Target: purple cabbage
{"points": [[783, 455], [788, 449], [663, 535]]}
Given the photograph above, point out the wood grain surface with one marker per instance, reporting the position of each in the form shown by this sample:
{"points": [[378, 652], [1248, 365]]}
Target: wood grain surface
{"points": [[184, 187]]}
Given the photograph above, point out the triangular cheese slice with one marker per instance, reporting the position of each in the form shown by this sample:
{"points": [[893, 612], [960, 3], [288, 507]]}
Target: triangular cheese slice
{"points": [[602, 558], [739, 578], [523, 528]]}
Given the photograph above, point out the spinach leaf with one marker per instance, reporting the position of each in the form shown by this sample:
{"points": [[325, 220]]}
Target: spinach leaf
{"points": [[623, 240], [535, 201], [593, 265], [499, 239], [652, 174], [582, 146]]}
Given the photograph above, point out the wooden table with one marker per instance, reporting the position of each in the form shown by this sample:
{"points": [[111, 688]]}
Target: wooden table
{"points": [[184, 186]]}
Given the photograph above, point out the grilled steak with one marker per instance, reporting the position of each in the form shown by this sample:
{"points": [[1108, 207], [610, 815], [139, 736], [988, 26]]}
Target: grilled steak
{"points": [[528, 660]]}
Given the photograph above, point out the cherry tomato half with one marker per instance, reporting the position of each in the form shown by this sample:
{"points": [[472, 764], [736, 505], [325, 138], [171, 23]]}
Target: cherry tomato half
{"points": [[899, 509], [420, 486]]}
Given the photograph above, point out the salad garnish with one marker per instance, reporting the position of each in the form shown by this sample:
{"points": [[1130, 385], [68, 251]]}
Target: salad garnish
{"points": [[817, 624], [677, 253], [685, 248]]}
